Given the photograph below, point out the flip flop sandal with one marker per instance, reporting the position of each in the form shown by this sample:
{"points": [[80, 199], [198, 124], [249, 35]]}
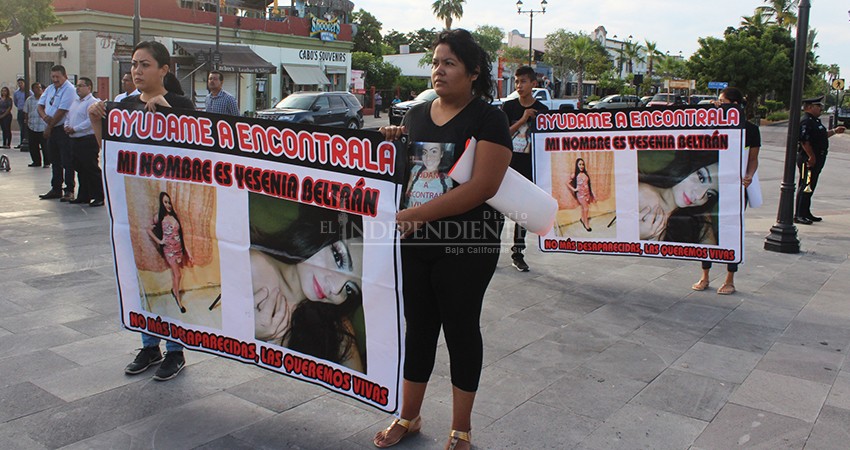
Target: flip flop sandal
{"points": [[410, 427], [700, 285], [726, 289], [456, 436]]}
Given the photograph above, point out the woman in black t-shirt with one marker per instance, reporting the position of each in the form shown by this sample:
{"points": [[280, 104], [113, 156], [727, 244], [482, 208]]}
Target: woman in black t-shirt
{"points": [[150, 73], [450, 239]]}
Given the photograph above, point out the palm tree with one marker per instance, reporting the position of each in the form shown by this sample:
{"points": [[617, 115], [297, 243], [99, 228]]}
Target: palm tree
{"points": [[446, 10], [580, 50], [631, 51], [782, 11], [651, 54], [758, 21]]}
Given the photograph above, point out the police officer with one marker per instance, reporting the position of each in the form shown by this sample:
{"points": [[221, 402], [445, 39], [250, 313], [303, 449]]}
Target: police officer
{"points": [[811, 155]]}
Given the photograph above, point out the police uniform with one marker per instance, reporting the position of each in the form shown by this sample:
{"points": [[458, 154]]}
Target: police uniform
{"points": [[816, 134]]}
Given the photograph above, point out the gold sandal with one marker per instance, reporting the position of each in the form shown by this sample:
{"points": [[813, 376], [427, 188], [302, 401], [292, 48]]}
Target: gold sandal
{"points": [[726, 289], [700, 285], [410, 427], [456, 436]]}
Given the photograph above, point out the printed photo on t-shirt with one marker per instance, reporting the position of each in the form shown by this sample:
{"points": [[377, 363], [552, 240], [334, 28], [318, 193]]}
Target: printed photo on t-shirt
{"points": [[522, 139], [429, 172]]}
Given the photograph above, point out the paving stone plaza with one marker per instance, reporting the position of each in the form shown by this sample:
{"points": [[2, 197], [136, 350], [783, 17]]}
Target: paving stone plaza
{"points": [[583, 351]]}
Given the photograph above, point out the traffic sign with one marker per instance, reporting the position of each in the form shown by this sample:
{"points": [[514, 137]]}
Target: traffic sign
{"points": [[838, 84], [718, 84]]}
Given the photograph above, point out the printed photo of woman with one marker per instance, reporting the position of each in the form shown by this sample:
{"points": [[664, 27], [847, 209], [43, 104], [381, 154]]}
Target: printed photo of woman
{"points": [[678, 196], [583, 184], [167, 233], [306, 270], [581, 189], [429, 176]]}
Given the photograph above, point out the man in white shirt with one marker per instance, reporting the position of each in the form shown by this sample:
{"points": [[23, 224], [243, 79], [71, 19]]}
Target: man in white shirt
{"points": [[35, 128], [84, 146], [129, 88], [52, 108]]}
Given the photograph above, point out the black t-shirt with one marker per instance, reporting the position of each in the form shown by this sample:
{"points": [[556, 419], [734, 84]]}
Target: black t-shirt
{"points": [[752, 135], [427, 178], [176, 101], [521, 139]]}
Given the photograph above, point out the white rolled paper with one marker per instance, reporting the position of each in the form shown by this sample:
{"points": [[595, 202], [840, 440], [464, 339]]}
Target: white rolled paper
{"points": [[754, 199], [518, 198]]}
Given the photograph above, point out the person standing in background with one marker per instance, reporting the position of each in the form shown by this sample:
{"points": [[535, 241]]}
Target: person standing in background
{"points": [[84, 146], [378, 103], [35, 128], [6, 104], [811, 157], [220, 101], [52, 108], [20, 97], [128, 88]]}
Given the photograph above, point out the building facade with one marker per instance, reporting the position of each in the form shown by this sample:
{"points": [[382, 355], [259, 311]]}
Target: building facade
{"points": [[264, 53]]}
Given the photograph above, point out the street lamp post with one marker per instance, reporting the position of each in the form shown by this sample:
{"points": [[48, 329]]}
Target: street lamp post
{"points": [[530, 13], [137, 23], [783, 235]]}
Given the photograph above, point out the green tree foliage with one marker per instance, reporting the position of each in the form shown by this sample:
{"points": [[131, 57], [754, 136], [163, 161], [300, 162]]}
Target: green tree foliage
{"points": [[575, 53], [781, 11], [26, 17], [421, 40], [378, 73], [368, 38], [755, 60], [489, 37], [448, 10], [394, 40]]}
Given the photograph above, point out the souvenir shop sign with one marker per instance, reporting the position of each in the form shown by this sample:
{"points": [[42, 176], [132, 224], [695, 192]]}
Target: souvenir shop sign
{"points": [[268, 243]]}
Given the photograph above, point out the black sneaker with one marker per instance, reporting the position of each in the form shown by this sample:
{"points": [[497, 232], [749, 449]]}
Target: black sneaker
{"points": [[169, 368], [147, 357], [519, 262]]}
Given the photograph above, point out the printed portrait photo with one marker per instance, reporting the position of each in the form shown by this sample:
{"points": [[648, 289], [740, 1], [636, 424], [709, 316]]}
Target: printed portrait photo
{"points": [[583, 184], [172, 229], [306, 274], [429, 172], [678, 196]]}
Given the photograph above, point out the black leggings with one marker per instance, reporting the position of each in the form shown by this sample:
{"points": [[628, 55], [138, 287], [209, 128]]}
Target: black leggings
{"points": [[445, 289], [706, 265], [6, 126]]}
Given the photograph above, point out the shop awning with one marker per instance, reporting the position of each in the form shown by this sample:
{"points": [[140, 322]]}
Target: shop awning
{"points": [[234, 58], [306, 74]]}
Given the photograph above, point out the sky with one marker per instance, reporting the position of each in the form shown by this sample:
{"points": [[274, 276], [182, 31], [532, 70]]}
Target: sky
{"points": [[674, 25]]}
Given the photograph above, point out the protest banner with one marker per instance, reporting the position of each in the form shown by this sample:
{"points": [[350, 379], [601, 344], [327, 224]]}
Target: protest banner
{"points": [[663, 183], [268, 243]]}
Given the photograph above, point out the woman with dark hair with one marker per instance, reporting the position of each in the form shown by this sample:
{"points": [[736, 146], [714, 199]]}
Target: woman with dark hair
{"points": [[167, 232], [581, 189], [445, 275], [752, 141], [6, 116], [427, 180], [675, 203], [150, 72], [306, 281]]}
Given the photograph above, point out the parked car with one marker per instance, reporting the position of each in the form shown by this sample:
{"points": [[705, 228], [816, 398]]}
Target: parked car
{"points": [[644, 100], [698, 99], [554, 104], [665, 99], [333, 109], [398, 110], [842, 116], [615, 102]]}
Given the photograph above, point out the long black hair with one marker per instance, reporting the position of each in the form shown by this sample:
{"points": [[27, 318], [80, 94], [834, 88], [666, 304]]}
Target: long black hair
{"points": [[157, 227], [693, 224], [474, 58], [574, 181], [316, 328]]}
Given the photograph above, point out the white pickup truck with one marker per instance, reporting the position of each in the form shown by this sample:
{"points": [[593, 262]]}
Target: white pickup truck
{"points": [[554, 104]]}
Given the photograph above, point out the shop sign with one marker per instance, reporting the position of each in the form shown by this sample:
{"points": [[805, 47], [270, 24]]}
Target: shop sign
{"points": [[319, 55], [45, 40], [326, 30]]}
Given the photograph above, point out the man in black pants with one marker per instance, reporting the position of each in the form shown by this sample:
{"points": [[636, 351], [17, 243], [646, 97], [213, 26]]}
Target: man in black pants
{"points": [[52, 108], [84, 146], [521, 112], [811, 156]]}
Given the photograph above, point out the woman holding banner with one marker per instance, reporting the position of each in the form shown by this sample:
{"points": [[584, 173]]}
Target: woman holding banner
{"points": [[752, 141], [307, 275], [450, 244], [676, 203]]}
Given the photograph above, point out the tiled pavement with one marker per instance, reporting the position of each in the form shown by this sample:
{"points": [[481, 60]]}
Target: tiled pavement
{"points": [[588, 352]]}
